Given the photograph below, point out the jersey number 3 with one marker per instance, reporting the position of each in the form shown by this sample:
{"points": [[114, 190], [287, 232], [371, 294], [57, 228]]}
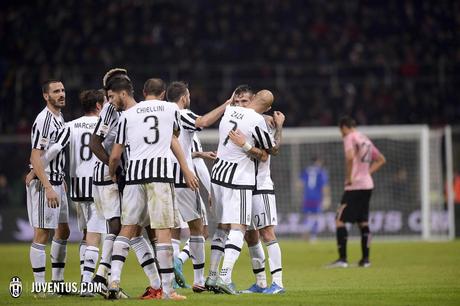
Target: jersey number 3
{"points": [[154, 127]]}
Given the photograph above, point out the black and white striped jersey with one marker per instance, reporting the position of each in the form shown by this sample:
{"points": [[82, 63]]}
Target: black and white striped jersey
{"points": [[77, 134], [148, 129], [106, 128], [264, 182], [196, 145], [187, 122], [233, 168], [43, 135]]}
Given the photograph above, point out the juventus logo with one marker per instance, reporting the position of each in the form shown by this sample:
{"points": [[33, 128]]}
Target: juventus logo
{"points": [[15, 287]]}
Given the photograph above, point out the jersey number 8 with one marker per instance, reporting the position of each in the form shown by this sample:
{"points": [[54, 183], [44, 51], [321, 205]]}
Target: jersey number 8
{"points": [[85, 151]]}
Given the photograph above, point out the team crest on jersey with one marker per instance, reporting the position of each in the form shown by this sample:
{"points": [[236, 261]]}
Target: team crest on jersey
{"points": [[44, 141], [104, 128], [15, 287]]}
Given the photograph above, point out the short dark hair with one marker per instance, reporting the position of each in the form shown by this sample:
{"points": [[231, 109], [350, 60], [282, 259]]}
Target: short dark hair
{"points": [[89, 99], [46, 84], [119, 83], [347, 121], [154, 87], [242, 89], [176, 90]]}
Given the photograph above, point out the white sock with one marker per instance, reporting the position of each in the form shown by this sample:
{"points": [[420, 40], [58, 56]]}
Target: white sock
{"points": [[119, 254], [217, 251], [233, 246], [274, 261], [91, 256], [165, 261], [176, 247], [58, 256], [185, 253], [198, 259], [258, 264], [106, 255], [144, 254], [38, 261], [82, 255]]}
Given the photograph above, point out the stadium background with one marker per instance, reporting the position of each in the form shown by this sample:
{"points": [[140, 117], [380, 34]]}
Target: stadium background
{"points": [[383, 62]]}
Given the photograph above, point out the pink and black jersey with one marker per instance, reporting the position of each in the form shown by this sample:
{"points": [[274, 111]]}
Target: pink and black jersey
{"points": [[364, 152]]}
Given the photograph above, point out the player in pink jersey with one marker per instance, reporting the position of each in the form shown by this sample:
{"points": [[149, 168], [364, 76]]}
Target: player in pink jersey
{"points": [[362, 159]]}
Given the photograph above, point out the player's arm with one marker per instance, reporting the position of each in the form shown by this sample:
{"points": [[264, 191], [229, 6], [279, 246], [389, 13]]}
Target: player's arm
{"points": [[278, 118], [106, 122], [190, 179], [39, 170], [95, 144], [349, 156], [377, 163], [205, 155], [114, 160], [50, 154], [62, 141], [239, 139], [203, 173]]}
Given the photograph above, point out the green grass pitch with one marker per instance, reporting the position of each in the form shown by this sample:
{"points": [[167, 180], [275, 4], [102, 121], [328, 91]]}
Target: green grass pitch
{"points": [[402, 273]]}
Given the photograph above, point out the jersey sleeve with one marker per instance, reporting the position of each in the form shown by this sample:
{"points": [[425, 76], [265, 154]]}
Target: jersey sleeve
{"points": [[196, 145], [121, 131], [262, 135], [348, 143], [188, 120], [41, 132], [107, 121], [63, 140]]}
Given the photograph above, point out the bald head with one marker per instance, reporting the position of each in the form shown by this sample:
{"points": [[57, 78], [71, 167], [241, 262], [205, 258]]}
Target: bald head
{"points": [[262, 101]]}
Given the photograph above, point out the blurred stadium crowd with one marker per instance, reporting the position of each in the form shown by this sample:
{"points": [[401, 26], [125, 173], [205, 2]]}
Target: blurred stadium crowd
{"points": [[384, 62]]}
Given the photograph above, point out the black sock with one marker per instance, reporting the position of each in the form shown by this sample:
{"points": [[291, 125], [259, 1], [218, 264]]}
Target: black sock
{"points": [[342, 236], [365, 241]]}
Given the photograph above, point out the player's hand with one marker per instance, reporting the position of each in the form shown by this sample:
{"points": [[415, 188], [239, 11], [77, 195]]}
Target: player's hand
{"points": [[230, 100], [51, 197], [208, 155], [270, 121], [237, 137], [279, 118], [191, 180], [348, 182], [29, 177]]}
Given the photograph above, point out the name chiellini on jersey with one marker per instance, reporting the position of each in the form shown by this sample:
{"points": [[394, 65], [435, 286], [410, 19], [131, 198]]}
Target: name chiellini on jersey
{"points": [[233, 168], [148, 128], [44, 134]]}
